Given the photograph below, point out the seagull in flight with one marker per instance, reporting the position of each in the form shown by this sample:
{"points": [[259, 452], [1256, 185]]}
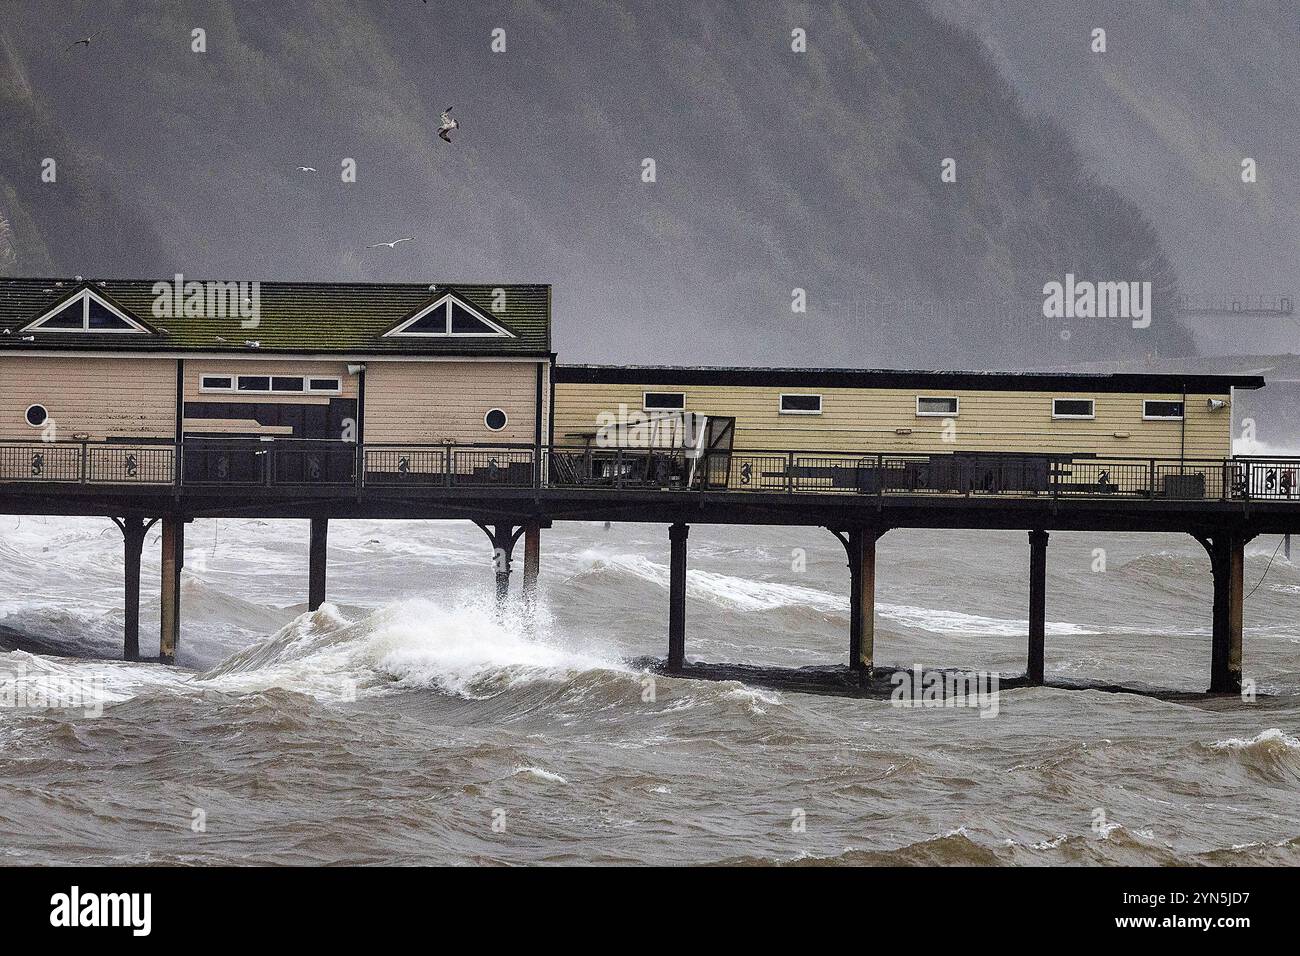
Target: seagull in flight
{"points": [[306, 169], [84, 41], [390, 245], [448, 124]]}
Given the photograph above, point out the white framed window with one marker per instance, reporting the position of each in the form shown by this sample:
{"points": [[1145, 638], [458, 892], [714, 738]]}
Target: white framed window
{"points": [[1074, 408], [496, 419], [450, 317], [800, 404], [272, 384], [663, 401], [36, 415], [1159, 410], [253, 383], [937, 406], [86, 312]]}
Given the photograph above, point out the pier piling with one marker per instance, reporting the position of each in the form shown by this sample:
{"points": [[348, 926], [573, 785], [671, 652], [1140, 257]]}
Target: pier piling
{"points": [[503, 546], [133, 533], [862, 600], [677, 534], [1227, 559], [860, 547], [173, 560], [532, 561], [316, 563], [503, 538], [1037, 603]]}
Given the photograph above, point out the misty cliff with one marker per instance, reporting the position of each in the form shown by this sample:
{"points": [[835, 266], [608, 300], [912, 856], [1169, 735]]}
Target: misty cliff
{"points": [[1185, 90], [775, 170]]}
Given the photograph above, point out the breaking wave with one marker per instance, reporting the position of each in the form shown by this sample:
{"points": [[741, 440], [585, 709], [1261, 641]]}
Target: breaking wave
{"points": [[466, 649]]}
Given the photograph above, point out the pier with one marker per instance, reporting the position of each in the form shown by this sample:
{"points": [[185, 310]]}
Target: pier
{"points": [[514, 491], [444, 400]]}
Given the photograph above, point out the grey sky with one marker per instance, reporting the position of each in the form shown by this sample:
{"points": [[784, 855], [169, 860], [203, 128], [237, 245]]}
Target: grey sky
{"points": [[775, 169]]}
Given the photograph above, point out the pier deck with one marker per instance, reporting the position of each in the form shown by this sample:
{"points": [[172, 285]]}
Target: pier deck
{"points": [[513, 491]]}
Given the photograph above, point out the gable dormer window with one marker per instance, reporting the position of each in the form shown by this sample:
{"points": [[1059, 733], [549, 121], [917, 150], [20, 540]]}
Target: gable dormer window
{"points": [[85, 312], [449, 317]]}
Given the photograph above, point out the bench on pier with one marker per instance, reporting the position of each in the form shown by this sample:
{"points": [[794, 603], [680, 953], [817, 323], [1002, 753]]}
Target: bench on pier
{"points": [[960, 473]]}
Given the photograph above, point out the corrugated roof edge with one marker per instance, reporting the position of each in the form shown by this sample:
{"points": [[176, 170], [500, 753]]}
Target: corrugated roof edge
{"points": [[902, 378]]}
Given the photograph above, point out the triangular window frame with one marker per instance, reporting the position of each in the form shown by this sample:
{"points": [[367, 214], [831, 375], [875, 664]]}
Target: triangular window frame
{"points": [[443, 302], [84, 296]]}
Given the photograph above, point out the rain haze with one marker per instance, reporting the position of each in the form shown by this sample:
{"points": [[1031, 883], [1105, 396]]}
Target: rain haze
{"points": [[780, 338], [774, 169]]}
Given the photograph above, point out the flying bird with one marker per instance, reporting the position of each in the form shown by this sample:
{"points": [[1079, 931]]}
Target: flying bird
{"points": [[448, 124], [390, 245], [306, 169], [84, 41]]}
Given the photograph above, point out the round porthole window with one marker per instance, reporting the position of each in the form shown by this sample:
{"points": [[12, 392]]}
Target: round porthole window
{"points": [[495, 419], [37, 415]]}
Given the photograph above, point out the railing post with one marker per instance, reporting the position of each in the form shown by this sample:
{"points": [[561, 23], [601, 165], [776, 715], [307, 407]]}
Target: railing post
{"points": [[1151, 479], [618, 468], [880, 475], [84, 462], [789, 472], [448, 465]]}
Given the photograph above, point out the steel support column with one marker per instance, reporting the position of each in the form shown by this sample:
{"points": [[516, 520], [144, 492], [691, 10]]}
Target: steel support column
{"points": [[133, 528], [532, 561], [1227, 558], [316, 563], [173, 560], [677, 534], [1037, 604]]}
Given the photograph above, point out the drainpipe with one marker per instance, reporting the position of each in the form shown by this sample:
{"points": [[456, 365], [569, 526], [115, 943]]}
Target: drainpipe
{"points": [[1182, 450]]}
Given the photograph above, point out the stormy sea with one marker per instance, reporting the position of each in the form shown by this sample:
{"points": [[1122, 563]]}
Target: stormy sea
{"points": [[408, 721]]}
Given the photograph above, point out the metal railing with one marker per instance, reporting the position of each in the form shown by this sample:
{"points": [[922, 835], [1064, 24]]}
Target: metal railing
{"points": [[89, 463], [451, 466], [343, 467], [287, 462]]}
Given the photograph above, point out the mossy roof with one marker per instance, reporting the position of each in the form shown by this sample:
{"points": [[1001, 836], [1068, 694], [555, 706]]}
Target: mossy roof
{"points": [[348, 318]]}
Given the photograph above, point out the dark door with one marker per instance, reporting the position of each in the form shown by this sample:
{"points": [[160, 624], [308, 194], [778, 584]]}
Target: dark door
{"points": [[308, 450]]}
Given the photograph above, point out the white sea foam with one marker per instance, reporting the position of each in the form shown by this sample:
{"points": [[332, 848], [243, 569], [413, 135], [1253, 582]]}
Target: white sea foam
{"points": [[84, 686], [1244, 446], [1271, 738], [956, 622], [541, 774], [744, 594], [722, 589], [752, 698]]}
